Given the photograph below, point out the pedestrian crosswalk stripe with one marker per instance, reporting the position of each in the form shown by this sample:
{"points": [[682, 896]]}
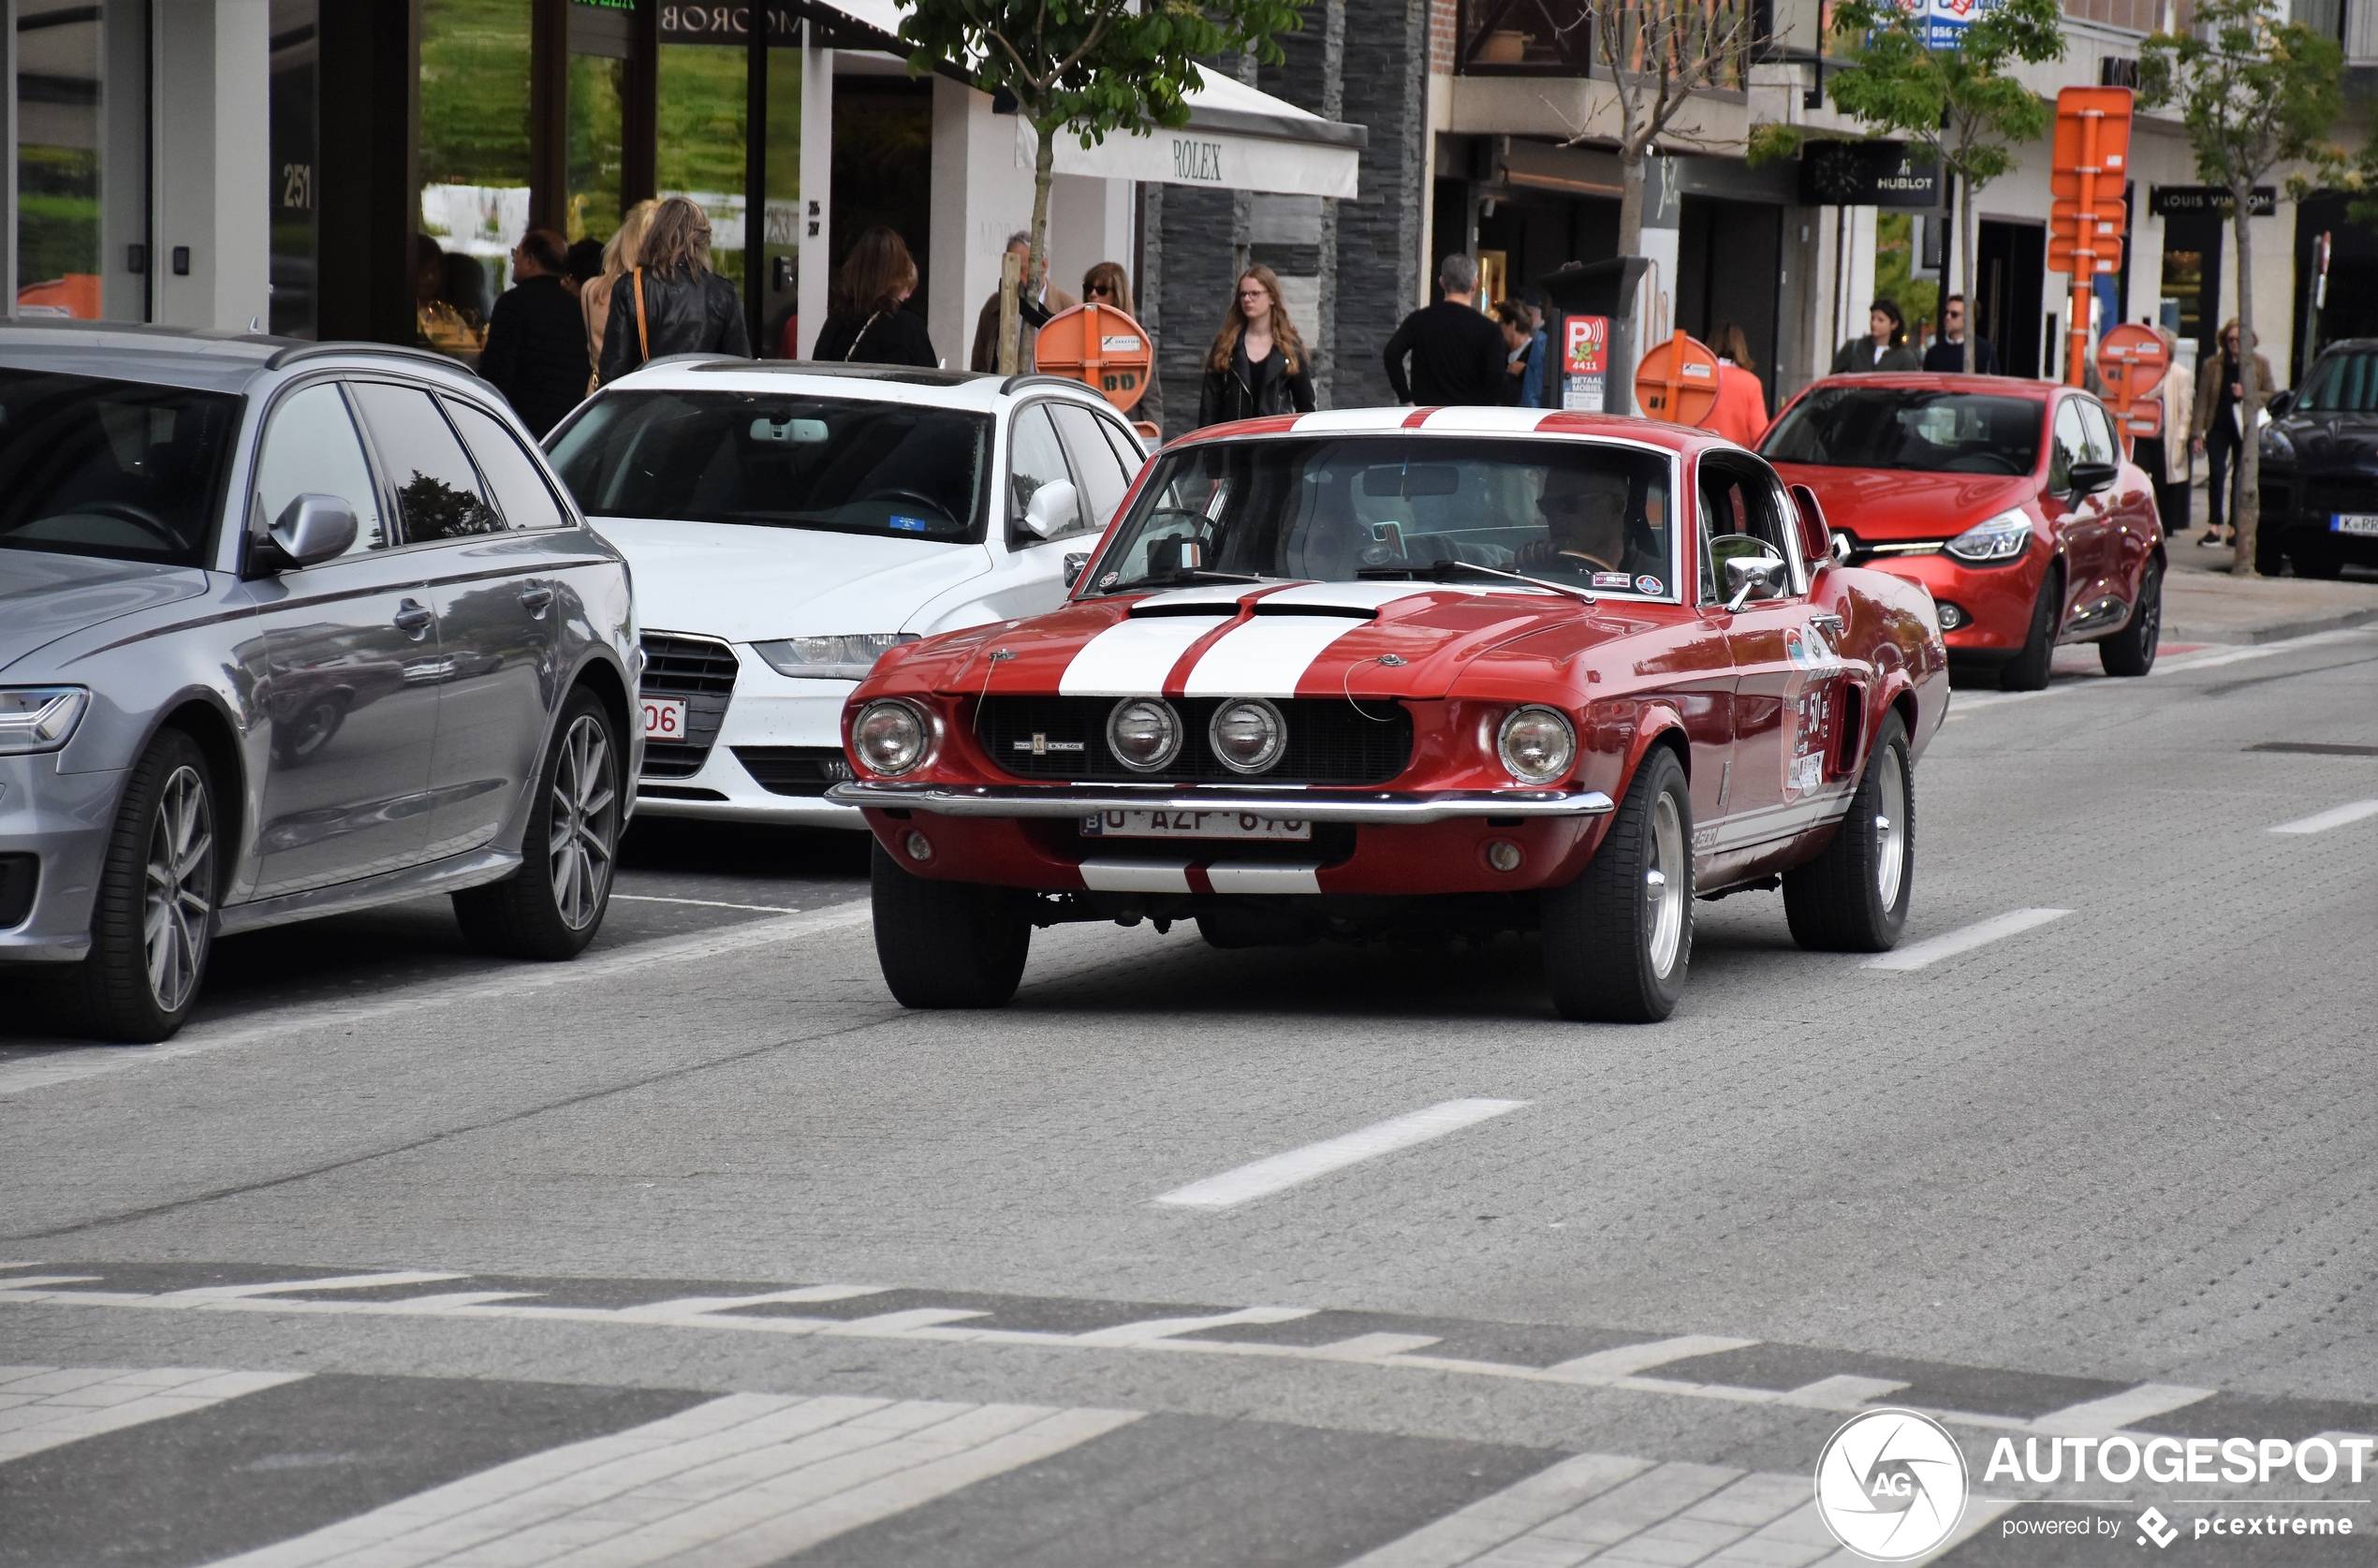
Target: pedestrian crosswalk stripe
{"points": [[2104, 1417], [41, 1407], [743, 1481]]}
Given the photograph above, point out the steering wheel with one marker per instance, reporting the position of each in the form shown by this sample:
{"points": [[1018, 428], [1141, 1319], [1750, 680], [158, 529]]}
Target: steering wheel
{"points": [[141, 517], [918, 497]]}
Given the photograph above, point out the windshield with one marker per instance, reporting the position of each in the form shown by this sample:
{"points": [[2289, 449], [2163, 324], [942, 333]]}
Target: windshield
{"points": [[2340, 384], [778, 462], [1907, 427], [114, 468], [1588, 516]]}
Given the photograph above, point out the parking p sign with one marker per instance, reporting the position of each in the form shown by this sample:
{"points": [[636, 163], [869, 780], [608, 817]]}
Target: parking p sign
{"points": [[1585, 363]]}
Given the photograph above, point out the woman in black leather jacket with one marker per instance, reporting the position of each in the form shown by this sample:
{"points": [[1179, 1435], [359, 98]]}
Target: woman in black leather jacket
{"points": [[1258, 364], [685, 307]]}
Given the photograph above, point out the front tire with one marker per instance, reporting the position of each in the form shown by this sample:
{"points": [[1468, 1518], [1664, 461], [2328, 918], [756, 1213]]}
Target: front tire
{"points": [[946, 944], [1853, 898], [2027, 671], [2132, 650], [1619, 939], [552, 906], [153, 921]]}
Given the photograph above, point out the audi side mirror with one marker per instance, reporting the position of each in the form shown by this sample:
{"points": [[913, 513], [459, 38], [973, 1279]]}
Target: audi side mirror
{"points": [[2088, 478], [313, 529], [1052, 508], [1755, 577], [2280, 402]]}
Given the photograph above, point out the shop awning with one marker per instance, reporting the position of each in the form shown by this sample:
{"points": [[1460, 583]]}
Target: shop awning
{"points": [[1237, 138]]}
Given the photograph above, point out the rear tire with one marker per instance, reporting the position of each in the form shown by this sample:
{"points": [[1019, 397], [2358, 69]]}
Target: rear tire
{"points": [[2027, 671], [153, 920], [2131, 651], [1619, 939], [552, 908], [1853, 898], [946, 944]]}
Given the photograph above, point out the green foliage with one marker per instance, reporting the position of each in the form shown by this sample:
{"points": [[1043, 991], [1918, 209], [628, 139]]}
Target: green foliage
{"points": [[701, 118], [1959, 102], [1772, 142], [1919, 300], [474, 76], [2254, 93]]}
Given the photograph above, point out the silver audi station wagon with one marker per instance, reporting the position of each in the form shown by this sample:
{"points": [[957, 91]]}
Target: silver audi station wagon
{"points": [[285, 630]]}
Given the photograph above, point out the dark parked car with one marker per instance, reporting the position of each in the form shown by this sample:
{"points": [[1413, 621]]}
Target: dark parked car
{"points": [[2320, 467], [288, 629]]}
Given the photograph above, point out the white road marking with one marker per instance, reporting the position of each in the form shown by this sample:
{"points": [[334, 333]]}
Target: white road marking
{"points": [[1460, 1536], [2336, 817], [1965, 939], [703, 903], [73, 1065], [42, 1407], [738, 1482], [1627, 1360], [2104, 1417], [1267, 1176]]}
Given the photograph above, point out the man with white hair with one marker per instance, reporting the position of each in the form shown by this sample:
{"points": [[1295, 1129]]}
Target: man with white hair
{"points": [[1457, 351], [986, 356]]}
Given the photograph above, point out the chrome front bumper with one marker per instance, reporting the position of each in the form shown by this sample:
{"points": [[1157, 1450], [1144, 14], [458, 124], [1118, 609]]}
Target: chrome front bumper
{"points": [[1378, 808]]}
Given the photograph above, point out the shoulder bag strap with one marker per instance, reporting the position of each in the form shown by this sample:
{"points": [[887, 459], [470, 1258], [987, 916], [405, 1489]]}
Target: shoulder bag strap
{"points": [[643, 336], [858, 336]]}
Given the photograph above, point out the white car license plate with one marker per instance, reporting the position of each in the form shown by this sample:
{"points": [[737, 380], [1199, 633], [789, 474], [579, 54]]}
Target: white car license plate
{"points": [[1192, 824], [664, 719], [2355, 522]]}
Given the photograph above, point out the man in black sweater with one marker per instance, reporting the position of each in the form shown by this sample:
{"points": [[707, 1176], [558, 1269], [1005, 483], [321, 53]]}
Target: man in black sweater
{"points": [[536, 352], [1947, 353], [1457, 353]]}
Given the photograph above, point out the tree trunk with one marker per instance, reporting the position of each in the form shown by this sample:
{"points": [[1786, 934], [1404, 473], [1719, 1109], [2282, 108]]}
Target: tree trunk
{"points": [[1631, 171], [1043, 172], [2246, 517]]}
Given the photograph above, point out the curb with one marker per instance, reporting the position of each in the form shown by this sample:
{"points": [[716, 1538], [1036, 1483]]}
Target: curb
{"points": [[2273, 631]]}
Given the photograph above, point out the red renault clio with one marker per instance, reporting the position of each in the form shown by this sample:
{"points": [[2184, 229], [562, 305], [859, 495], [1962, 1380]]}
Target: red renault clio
{"points": [[2010, 500]]}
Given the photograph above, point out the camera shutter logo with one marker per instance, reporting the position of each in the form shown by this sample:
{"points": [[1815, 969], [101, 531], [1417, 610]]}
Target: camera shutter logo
{"points": [[1891, 1485]]}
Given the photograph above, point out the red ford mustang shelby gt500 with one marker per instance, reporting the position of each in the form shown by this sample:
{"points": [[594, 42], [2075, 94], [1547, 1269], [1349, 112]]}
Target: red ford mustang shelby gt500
{"points": [[1398, 674]]}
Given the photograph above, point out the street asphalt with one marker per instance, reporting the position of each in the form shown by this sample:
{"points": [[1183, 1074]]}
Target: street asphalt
{"points": [[702, 1250]]}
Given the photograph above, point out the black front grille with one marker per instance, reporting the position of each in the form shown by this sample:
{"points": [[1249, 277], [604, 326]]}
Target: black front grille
{"points": [[809, 770], [1331, 742], [698, 672], [19, 875]]}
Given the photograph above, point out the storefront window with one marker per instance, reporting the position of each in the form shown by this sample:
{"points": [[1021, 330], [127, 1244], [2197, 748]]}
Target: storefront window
{"points": [[81, 87], [295, 51], [701, 107], [602, 39], [475, 165]]}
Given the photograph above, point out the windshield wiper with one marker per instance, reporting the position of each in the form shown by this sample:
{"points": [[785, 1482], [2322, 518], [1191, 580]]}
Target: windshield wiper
{"points": [[1439, 569], [1187, 577]]}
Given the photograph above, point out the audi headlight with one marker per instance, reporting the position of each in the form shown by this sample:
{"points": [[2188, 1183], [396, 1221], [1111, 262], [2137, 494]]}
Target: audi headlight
{"points": [[1248, 735], [1537, 745], [830, 658], [39, 718], [891, 736], [2002, 538], [1144, 733]]}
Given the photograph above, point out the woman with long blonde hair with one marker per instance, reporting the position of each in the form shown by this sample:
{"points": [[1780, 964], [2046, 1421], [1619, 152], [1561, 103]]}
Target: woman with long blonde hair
{"points": [[1258, 364], [670, 301], [619, 257]]}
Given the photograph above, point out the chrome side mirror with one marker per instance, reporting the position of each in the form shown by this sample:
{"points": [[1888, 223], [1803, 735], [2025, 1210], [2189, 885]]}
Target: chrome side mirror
{"points": [[1755, 577], [1053, 507], [1075, 561], [315, 528]]}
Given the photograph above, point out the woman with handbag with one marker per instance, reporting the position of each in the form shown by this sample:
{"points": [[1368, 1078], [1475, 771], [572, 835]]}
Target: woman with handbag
{"points": [[671, 303], [870, 325]]}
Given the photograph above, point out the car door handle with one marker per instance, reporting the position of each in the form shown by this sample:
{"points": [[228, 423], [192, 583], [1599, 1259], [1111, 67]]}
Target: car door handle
{"points": [[415, 619], [536, 598]]}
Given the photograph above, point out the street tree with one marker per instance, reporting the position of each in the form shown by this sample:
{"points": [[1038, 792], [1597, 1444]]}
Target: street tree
{"points": [[1090, 67], [1660, 52], [2256, 95], [1959, 104]]}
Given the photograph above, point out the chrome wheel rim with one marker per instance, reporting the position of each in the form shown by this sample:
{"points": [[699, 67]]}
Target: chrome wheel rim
{"points": [[180, 889], [1665, 879], [585, 822], [1890, 825]]}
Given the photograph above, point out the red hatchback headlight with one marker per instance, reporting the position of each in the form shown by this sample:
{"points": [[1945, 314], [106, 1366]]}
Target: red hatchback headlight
{"points": [[2003, 538]]}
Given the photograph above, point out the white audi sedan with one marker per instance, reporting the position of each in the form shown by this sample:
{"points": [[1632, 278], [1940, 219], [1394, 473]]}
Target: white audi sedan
{"points": [[785, 523]]}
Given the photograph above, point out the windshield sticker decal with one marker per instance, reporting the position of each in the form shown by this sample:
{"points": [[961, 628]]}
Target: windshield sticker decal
{"points": [[911, 525], [1646, 584], [1612, 579]]}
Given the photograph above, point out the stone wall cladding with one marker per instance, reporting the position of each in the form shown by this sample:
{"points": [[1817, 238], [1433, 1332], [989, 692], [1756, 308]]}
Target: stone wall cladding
{"points": [[1378, 280]]}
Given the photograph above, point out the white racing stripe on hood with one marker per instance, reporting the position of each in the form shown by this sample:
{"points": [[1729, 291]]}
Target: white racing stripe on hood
{"points": [[1355, 596], [1132, 657], [1268, 655]]}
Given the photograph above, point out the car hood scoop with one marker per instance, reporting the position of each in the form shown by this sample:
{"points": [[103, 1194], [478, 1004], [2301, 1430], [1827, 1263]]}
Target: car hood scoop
{"points": [[44, 597]]}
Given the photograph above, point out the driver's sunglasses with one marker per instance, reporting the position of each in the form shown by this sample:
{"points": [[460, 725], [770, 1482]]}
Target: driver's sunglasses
{"points": [[1098, 288]]}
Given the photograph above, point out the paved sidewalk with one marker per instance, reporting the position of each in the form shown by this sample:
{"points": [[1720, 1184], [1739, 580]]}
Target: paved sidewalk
{"points": [[2203, 603]]}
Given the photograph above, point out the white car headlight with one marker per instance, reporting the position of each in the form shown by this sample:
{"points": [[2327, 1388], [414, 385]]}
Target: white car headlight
{"points": [[1144, 733], [1537, 745], [1248, 735], [830, 658], [39, 718], [891, 736], [2002, 538]]}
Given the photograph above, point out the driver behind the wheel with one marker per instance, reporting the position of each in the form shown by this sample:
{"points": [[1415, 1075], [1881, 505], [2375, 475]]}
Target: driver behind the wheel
{"points": [[1584, 513]]}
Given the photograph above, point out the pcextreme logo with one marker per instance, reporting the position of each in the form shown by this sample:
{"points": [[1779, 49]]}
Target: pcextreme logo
{"points": [[1891, 1485]]}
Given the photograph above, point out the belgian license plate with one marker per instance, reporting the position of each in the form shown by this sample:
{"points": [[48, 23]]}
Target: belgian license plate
{"points": [[664, 719], [2355, 522], [1192, 824]]}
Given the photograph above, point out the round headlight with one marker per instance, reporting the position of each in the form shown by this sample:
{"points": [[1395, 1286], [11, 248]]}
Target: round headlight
{"points": [[1537, 745], [1144, 733], [890, 738], [1248, 735]]}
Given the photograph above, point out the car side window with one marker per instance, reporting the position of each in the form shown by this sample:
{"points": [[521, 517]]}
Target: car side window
{"points": [[2070, 445], [311, 449], [1035, 458], [1740, 517], [2100, 427], [521, 490], [1101, 473], [1127, 447], [437, 491]]}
